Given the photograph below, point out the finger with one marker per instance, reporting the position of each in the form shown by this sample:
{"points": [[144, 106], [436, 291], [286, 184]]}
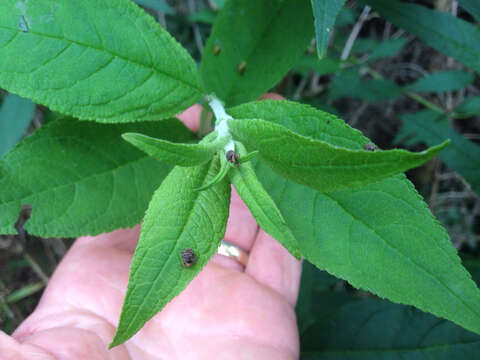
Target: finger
{"points": [[241, 226], [272, 265], [241, 231], [191, 117], [272, 96], [122, 239]]}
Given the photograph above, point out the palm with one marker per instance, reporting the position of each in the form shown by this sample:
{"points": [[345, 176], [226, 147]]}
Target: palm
{"points": [[225, 313]]}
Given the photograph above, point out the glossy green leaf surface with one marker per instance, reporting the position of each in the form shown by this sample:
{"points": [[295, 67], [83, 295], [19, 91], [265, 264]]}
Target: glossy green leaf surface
{"points": [[82, 187], [462, 156], [252, 46], [194, 220], [15, 115], [84, 69], [374, 329], [318, 164], [348, 83], [261, 205], [442, 31], [325, 13], [322, 66], [381, 237], [175, 153], [338, 324], [441, 81]]}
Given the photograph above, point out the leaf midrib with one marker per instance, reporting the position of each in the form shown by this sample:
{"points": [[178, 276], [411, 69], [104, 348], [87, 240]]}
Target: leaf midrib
{"points": [[92, 176], [169, 257], [155, 69], [405, 256]]}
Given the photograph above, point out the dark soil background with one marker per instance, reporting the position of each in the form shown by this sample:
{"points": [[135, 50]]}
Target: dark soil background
{"points": [[26, 264]]}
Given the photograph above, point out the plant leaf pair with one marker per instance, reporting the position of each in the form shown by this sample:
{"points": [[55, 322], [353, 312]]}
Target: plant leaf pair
{"points": [[380, 237], [318, 164]]}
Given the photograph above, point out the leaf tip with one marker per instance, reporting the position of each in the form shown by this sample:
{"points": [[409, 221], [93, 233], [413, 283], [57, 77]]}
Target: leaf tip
{"points": [[441, 146], [115, 341]]}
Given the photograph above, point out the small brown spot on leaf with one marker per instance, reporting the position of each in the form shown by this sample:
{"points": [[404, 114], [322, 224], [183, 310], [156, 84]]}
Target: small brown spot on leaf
{"points": [[232, 156], [241, 67], [188, 257]]}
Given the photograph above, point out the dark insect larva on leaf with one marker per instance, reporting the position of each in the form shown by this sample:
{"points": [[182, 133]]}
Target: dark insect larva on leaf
{"points": [[370, 147], [241, 67], [232, 156], [188, 257], [217, 49]]}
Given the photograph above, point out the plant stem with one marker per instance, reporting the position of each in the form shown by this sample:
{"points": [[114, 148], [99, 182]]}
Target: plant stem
{"points": [[221, 125]]}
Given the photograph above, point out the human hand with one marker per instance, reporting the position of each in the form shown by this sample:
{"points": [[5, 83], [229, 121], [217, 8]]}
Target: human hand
{"points": [[226, 312]]}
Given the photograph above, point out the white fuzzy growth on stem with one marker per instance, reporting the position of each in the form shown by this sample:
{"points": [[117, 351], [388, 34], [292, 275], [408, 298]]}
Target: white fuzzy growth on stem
{"points": [[221, 125]]}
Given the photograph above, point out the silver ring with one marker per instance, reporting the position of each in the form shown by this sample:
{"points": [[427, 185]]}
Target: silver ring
{"points": [[231, 250]]}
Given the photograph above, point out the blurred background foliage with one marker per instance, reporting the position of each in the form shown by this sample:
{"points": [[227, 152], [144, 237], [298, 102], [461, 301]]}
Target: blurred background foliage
{"points": [[385, 74]]}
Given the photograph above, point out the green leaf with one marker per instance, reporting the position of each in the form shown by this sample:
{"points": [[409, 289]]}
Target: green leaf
{"points": [[261, 205], [468, 108], [322, 67], [442, 31], [247, 157], [76, 184], [15, 116], [429, 127], [252, 46], [83, 68], [387, 48], [206, 17], [195, 220], [381, 237], [376, 329], [346, 16], [303, 119], [472, 6], [442, 81], [318, 164], [325, 13], [315, 283], [220, 175], [176, 153], [348, 83], [159, 5]]}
